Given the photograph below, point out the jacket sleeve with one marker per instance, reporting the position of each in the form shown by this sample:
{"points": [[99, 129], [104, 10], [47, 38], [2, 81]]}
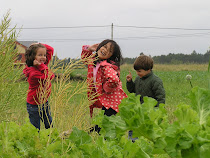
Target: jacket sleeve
{"points": [[85, 53], [43, 73], [26, 71], [159, 91], [111, 79], [130, 86], [50, 51]]}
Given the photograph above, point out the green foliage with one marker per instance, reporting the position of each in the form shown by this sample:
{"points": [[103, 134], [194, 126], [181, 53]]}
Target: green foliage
{"points": [[79, 137], [180, 58], [200, 99], [185, 137]]}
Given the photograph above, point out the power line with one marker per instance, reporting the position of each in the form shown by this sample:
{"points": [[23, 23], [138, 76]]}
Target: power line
{"points": [[60, 27], [75, 39], [126, 38], [168, 36], [119, 26], [121, 38], [163, 28]]}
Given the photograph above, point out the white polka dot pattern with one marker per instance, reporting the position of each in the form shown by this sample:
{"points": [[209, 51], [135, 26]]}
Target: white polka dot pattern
{"points": [[108, 84]]}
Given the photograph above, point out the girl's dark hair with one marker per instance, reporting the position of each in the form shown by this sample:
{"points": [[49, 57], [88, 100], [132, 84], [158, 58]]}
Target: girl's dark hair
{"points": [[31, 53], [115, 49], [143, 62]]}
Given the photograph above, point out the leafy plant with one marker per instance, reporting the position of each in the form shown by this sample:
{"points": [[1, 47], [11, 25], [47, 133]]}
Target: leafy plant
{"points": [[188, 136]]}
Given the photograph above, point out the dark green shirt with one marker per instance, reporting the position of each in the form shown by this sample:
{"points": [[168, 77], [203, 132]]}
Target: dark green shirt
{"points": [[149, 85]]}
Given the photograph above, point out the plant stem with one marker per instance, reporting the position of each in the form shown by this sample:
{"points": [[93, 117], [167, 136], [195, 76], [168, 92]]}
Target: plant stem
{"points": [[191, 84]]}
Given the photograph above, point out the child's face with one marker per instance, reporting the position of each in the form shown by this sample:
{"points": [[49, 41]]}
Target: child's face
{"points": [[141, 73], [105, 52], [41, 55]]}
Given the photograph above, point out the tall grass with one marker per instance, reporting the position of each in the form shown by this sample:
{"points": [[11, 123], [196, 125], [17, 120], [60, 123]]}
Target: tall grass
{"points": [[68, 98], [10, 91], [209, 74]]}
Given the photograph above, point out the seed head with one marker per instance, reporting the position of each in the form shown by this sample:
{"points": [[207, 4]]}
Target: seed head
{"points": [[188, 77]]}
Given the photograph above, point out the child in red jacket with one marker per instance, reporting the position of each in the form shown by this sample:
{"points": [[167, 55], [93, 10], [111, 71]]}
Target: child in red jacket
{"points": [[39, 79], [103, 78]]}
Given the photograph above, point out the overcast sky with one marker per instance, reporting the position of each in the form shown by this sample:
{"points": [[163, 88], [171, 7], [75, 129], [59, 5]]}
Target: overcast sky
{"points": [[150, 24]]}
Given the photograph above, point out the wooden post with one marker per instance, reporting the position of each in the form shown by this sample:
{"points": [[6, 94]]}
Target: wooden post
{"points": [[112, 32]]}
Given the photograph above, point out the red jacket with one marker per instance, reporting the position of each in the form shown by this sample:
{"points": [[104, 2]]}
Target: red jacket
{"points": [[108, 86], [39, 79]]}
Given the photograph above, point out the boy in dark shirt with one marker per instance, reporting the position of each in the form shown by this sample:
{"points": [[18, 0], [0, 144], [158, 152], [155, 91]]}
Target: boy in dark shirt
{"points": [[146, 83]]}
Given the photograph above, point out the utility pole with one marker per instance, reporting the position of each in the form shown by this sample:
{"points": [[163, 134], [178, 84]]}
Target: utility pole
{"points": [[112, 32]]}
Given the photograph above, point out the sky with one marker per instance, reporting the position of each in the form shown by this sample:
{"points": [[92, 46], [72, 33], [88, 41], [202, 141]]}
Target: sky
{"points": [[154, 27]]}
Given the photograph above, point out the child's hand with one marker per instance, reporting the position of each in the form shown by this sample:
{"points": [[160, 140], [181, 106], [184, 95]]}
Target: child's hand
{"points": [[36, 63], [129, 77], [93, 47]]}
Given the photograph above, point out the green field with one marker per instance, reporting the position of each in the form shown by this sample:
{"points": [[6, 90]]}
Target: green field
{"points": [[69, 104], [72, 110]]}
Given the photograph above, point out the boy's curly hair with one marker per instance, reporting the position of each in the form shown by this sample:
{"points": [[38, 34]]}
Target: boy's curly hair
{"points": [[31, 53], [143, 62]]}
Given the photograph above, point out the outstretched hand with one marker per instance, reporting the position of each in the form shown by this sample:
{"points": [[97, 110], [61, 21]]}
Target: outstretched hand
{"points": [[129, 77], [36, 63], [93, 47]]}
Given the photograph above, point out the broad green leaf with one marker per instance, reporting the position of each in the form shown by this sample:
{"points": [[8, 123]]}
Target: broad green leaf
{"points": [[192, 152], [192, 128], [200, 99], [149, 103], [79, 137], [184, 114], [205, 151], [185, 140], [160, 143], [171, 130], [132, 150], [171, 147]]}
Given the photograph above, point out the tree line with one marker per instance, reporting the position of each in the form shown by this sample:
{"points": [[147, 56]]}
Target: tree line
{"points": [[180, 58]]}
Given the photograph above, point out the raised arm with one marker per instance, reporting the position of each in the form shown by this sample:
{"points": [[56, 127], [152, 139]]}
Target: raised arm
{"points": [[130, 85], [50, 51], [87, 51]]}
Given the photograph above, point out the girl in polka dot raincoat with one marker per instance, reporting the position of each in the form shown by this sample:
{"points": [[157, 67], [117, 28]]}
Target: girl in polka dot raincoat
{"points": [[103, 77]]}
